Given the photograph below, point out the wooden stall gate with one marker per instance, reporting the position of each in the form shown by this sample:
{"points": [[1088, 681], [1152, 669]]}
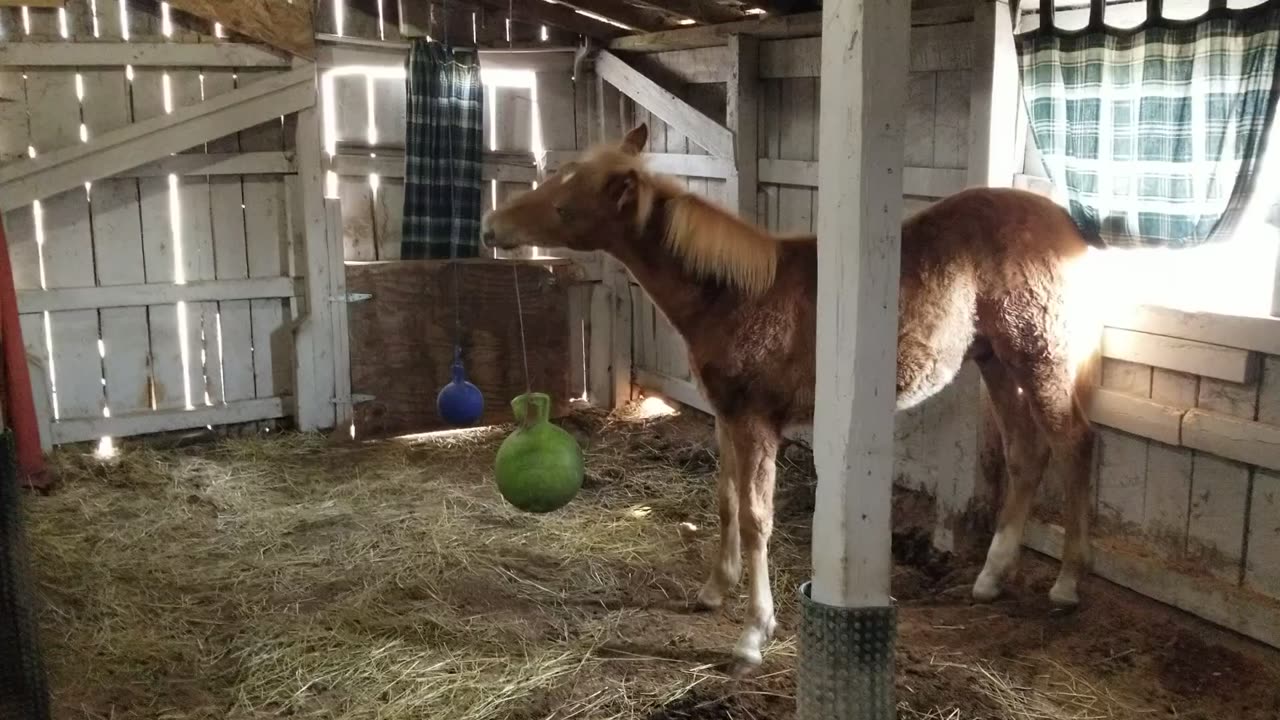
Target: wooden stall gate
{"points": [[165, 294]]}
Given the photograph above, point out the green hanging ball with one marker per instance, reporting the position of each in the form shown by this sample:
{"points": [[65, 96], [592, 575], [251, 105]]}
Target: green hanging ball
{"points": [[539, 467]]}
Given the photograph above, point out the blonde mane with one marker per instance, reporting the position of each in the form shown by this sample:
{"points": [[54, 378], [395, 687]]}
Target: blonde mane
{"points": [[709, 241]]}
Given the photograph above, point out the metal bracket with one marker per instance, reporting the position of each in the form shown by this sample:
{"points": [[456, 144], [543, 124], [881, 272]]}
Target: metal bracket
{"points": [[356, 399], [350, 297]]}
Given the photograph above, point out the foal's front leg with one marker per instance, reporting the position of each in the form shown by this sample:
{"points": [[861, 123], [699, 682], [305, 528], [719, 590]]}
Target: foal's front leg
{"points": [[726, 569], [755, 450]]}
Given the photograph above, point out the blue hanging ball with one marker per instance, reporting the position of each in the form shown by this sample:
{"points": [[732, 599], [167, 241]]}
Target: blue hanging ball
{"points": [[459, 403]]}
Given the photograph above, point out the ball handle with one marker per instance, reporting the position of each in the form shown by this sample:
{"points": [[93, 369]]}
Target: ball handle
{"points": [[540, 403]]}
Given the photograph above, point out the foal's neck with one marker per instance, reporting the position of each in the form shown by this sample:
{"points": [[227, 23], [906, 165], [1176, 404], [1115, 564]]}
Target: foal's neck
{"points": [[684, 299]]}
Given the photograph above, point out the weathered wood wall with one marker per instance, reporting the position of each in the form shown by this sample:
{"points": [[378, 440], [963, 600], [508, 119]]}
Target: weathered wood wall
{"points": [[102, 364], [402, 339]]}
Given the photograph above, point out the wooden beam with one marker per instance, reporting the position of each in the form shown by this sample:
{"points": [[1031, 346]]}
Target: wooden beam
{"points": [[144, 423], [137, 54], [118, 296], [993, 97], [1239, 439], [635, 17], [1197, 358], [336, 51], [711, 135], [540, 13], [771, 28], [1137, 416], [246, 163], [698, 11], [861, 135], [703, 166], [287, 26], [113, 152], [742, 116]]}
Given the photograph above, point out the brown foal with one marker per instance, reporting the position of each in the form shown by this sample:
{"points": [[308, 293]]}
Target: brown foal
{"points": [[986, 275]]}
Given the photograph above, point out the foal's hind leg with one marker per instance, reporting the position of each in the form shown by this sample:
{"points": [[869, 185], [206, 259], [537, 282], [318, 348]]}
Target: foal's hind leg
{"points": [[726, 569], [755, 447], [1025, 454], [1072, 440]]}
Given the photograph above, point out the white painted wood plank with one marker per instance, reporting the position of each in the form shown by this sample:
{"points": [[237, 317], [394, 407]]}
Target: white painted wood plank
{"points": [[1169, 470], [798, 142], [1137, 416], [356, 200], [1220, 604], [1246, 333], [709, 134], [859, 235], [118, 256], [389, 108], [599, 347], [232, 336], [951, 123], [921, 108], [1198, 358], [214, 163], [1238, 439], [156, 422], [154, 293], [76, 366], [1228, 398], [1219, 502], [922, 182], [682, 391], [388, 217], [932, 47], [333, 51], [770, 137], [266, 218], [148, 140], [84, 55]]}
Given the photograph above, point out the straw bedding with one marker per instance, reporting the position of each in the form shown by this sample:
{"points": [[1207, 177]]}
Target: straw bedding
{"points": [[295, 576]]}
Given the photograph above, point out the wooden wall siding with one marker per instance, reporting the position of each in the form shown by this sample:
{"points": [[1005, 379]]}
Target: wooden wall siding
{"points": [[402, 339], [1188, 504], [121, 232]]}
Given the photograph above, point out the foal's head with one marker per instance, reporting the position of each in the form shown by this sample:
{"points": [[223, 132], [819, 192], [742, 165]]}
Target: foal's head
{"points": [[588, 204], [607, 200]]}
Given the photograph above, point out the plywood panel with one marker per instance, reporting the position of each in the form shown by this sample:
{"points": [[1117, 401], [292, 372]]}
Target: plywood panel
{"points": [[798, 141], [402, 340], [922, 99], [1122, 458]]}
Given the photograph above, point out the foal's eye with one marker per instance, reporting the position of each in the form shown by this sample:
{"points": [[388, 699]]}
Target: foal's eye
{"points": [[563, 212]]}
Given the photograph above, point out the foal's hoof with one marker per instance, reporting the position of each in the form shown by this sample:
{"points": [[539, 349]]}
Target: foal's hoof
{"points": [[985, 589], [709, 599], [1064, 595]]}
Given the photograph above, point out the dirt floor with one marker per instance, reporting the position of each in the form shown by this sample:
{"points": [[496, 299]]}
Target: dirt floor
{"points": [[296, 577]]}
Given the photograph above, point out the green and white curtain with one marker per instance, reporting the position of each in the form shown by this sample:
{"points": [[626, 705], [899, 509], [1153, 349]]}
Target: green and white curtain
{"points": [[443, 154], [1155, 132]]}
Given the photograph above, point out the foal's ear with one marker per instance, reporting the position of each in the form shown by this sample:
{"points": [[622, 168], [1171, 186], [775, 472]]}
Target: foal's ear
{"points": [[635, 140], [621, 188]]}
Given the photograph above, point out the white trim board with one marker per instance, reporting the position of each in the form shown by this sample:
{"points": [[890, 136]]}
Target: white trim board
{"points": [[138, 54], [146, 423], [246, 163], [1234, 331], [143, 142], [115, 296]]}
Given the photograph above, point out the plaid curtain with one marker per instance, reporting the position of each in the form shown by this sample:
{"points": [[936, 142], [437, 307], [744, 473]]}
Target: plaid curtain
{"points": [[1156, 132], [443, 152]]}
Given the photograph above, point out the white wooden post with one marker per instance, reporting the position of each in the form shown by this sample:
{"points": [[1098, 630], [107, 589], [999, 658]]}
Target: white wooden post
{"points": [[848, 623], [314, 342], [993, 97]]}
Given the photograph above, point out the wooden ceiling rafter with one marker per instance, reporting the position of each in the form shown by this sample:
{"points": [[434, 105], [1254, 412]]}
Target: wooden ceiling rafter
{"points": [[706, 12], [283, 26], [545, 13], [639, 17]]}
